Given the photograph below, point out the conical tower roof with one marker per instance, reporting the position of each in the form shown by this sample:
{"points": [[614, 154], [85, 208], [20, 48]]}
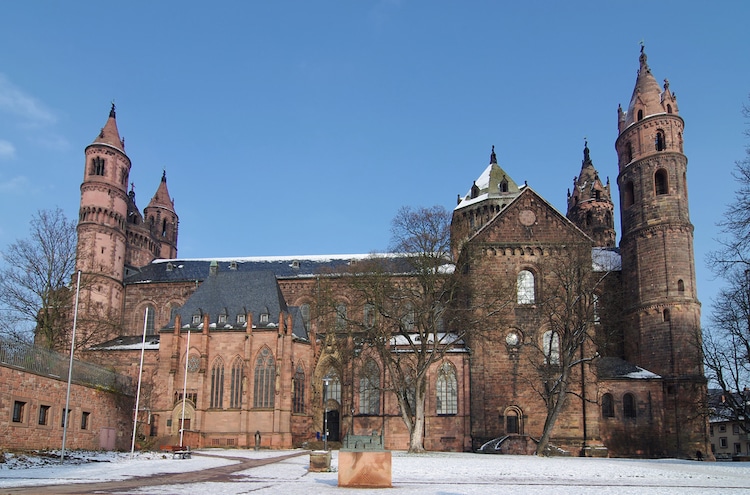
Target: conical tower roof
{"points": [[161, 198], [648, 98], [109, 134]]}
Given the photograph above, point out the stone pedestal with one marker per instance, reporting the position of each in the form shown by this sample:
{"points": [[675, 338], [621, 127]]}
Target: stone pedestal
{"points": [[365, 469], [320, 461]]}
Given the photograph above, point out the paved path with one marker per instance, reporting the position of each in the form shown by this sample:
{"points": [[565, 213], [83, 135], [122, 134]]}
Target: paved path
{"points": [[217, 474]]}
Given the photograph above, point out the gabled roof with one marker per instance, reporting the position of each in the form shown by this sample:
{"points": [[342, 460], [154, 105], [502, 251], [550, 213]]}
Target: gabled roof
{"points": [[526, 192], [492, 183]]}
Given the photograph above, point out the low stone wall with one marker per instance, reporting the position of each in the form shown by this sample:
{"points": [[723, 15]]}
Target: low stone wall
{"points": [[31, 413]]}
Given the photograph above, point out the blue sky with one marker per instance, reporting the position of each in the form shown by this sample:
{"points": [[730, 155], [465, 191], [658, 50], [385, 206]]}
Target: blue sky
{"points": [[301, 127]]}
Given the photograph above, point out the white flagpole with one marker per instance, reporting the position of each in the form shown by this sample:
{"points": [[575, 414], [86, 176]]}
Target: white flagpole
{"points": [[138, 393], [70, 369], [184, 388]]}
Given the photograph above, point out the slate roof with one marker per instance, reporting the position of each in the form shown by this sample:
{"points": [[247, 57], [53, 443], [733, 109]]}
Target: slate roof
{"points": [[181, 270], [616, 368], [234, 292]]}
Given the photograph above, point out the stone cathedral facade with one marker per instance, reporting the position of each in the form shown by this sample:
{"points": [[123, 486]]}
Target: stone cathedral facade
{"points": [[236, 353]]}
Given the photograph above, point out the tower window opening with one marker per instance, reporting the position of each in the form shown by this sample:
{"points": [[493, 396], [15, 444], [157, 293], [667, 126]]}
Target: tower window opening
{"points": [[661, 184], [669, 108], [681, 285], [628, 195], [660, 142], [640, 115], [503, 186], [666, 316], [628, 152], [97, 165]]}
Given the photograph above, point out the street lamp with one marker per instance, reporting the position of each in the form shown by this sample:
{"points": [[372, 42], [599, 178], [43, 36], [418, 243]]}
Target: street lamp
{"points": [[325, 414]]}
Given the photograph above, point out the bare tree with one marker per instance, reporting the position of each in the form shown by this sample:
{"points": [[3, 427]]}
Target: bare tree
{"points": [[570, 310], [726, 344], [35, 278], [415, 308]]}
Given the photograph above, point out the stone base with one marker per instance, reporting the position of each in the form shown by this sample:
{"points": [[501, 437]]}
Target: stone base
{"points": [[320, 461], [365, 469]]}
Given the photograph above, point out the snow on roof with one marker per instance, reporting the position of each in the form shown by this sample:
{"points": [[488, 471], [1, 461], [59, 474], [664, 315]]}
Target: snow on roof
{"points": [[641, 374], [605, 260], [320, 258]]}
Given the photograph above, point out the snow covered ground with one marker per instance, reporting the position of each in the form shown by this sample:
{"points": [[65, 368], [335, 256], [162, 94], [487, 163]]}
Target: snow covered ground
{"points": [[432, 473]]}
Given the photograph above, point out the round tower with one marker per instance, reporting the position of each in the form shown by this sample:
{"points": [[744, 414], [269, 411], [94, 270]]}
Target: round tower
{"points": [[162, 220], [590, 204], [658, 270], [101, 222]]}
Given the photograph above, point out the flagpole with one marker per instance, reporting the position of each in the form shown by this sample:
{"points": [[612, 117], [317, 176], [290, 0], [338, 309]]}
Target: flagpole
{"points": [[184, 388], [70, 370], [138, 393]]}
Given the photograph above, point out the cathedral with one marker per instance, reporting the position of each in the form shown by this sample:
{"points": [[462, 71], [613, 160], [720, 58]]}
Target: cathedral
{"points": [[237, 354]]}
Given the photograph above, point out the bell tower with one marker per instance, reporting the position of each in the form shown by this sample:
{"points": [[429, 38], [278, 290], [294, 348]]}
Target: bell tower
{"points": [[101, 226], [658, 269], [590, 204]]}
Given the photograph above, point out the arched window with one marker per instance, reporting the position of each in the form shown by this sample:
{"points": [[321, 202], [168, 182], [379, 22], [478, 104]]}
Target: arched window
{"points": [[666, 315], [628, 194], [525, 287], [149, 319], [298, 401], [503, 186], [680, 286], [305, 311], [217, 384], [669, 108], [447, 390], [640, 115], [369, 388], [235, 393], [608, 406], [551, 347], [265, 377], [628, 152], [628, 406], [97, 166], [661, 184], [332, 391], [660, 143]]}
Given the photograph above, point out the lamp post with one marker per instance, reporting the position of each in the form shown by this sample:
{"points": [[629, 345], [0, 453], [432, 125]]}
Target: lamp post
{"points": [[325, 414]]}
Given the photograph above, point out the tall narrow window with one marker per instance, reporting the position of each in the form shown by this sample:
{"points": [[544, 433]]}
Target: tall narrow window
{"points": [[369, 388], [97, 166], [628, 406], [235, 388], [368, 315], [680, 285], [44, 415], [265, 378], [628, 152], [551, 347], [149, 318], [447, 390], [513, 421], [661, 184], [85, 420], [305, 310], [298, 401], [340, 316], [608, 406], [333, 390], [525, 287], [64, 418], [628, 194], [18, 411], [640, 115], [659, 142], [217, 384]]}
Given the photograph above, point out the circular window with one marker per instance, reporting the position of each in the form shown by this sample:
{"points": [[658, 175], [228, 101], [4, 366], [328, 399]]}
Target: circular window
{"points": [[513, 339], [194, 364]]}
